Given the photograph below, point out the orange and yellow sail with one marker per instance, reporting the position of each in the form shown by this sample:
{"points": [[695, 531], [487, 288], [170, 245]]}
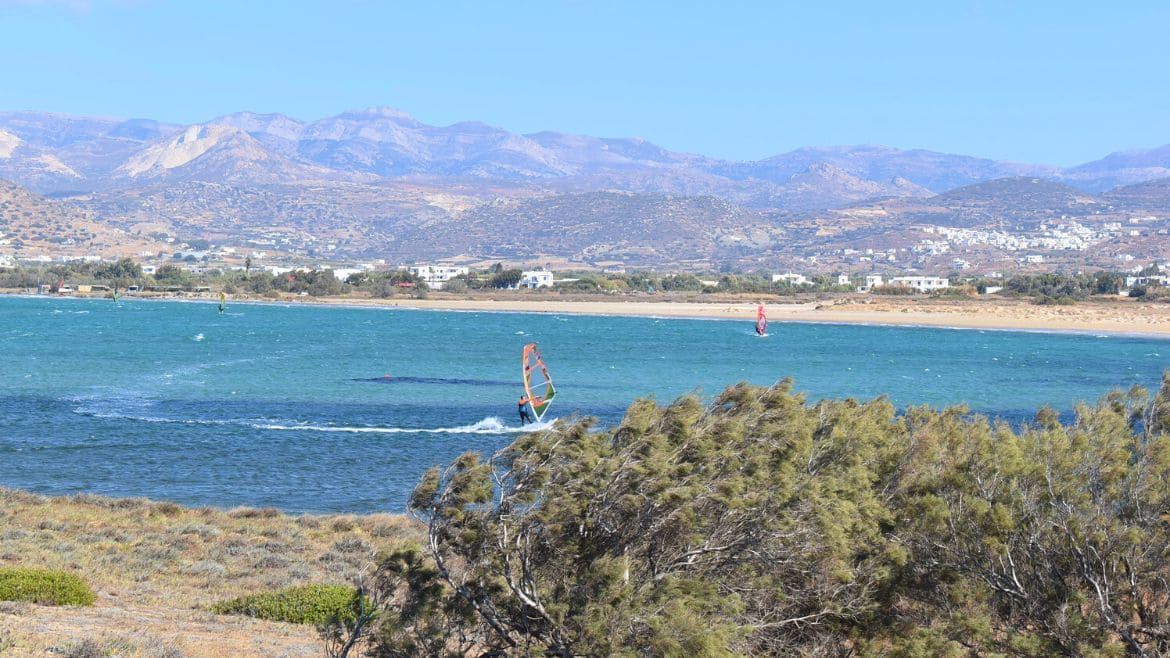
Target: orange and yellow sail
{"points": [[538, 386]]}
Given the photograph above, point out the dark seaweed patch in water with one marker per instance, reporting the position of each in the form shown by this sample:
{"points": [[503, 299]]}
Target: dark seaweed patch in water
{"points": [[434, 380], [450, 381]]}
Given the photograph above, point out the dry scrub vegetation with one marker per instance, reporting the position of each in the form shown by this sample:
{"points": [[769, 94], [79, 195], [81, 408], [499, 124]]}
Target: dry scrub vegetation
{"points": [[157, 567]]}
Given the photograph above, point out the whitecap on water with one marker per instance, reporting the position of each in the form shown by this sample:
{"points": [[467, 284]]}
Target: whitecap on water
{"points": [[490, 425]]}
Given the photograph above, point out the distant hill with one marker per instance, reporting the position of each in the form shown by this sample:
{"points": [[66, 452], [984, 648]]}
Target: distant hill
{"points": [[1018, 195], [32, 226], [1150, 196], [22, 161], [828, 186], [215, 153], [635, 229], [1122, 168], [83, 151], [934, 171], [1016, 203]]}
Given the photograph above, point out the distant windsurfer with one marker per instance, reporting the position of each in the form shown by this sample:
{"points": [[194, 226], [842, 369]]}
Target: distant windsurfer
{"points": [[525, 414]]}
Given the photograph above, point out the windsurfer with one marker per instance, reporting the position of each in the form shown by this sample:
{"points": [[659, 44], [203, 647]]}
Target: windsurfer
{"points": [[525, 415]]}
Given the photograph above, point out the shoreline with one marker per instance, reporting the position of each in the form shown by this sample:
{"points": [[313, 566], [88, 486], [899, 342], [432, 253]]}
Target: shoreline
{"points": [[1114, 317], [1151, 322]]}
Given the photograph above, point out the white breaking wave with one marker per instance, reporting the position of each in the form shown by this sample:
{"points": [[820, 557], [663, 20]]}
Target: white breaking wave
{"points": [[491, 425]]}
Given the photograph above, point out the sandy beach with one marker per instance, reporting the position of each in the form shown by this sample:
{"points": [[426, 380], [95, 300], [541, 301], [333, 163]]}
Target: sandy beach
{"points": [[1121, 316], [1106, 315]]}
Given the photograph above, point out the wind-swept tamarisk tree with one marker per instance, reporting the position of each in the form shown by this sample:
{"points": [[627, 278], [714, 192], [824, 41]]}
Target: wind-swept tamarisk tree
{"points": [[762, 524]]}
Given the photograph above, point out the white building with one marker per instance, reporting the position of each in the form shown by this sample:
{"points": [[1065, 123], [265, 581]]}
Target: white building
{"points": [[536, 279], [343, 273], [872, 281], [843, 279], [436, 276], [921, 283], [1155, 280], [790, 278]]}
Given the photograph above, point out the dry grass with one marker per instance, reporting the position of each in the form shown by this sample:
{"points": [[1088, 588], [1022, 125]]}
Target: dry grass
{"points": [[157, 566]]}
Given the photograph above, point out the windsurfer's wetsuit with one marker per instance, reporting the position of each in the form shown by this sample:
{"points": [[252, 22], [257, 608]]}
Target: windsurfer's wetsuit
{"points": [[522, 407]]}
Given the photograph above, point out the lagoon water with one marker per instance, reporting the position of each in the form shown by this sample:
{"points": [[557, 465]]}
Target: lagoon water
{"points": [[289, 406]]}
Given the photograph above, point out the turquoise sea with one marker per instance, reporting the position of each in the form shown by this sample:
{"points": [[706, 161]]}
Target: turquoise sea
{"points": [[288, 406]]}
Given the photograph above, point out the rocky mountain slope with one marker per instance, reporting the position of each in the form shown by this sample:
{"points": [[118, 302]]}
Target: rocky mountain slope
{"points": [[380, 183], [32, 226], [55, 153]]}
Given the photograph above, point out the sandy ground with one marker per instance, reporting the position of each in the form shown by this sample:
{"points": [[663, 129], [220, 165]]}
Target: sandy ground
{"points": [[1113, 316], [148, 632]]}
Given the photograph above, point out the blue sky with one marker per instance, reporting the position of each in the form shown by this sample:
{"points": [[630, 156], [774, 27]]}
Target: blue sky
{"points": [[1050, 82]]}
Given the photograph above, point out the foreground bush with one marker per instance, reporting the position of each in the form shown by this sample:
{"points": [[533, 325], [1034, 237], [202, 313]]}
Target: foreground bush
{"points": [[44, 587], [763, 524], [310, 604]]}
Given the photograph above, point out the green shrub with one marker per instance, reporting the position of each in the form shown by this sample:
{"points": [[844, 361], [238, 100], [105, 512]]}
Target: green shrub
{"points": [[309, 604], [890, 290], [44, 586]]}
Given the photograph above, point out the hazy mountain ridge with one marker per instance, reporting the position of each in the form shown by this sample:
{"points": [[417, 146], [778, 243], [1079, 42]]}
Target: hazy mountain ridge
{"points": [[379, 183], [1122, 168], [386, 143]]}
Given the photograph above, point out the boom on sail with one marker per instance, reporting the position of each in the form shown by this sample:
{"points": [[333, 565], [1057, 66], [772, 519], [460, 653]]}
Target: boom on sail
{"points": [[538, 386]]}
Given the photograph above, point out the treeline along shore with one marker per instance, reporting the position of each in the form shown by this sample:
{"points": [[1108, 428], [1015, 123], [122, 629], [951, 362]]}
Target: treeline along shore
{"points": [[1044, 302], [756, 523]]}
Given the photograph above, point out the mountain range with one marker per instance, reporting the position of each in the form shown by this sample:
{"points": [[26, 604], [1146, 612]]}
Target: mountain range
{"points": [[379, 182]]}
